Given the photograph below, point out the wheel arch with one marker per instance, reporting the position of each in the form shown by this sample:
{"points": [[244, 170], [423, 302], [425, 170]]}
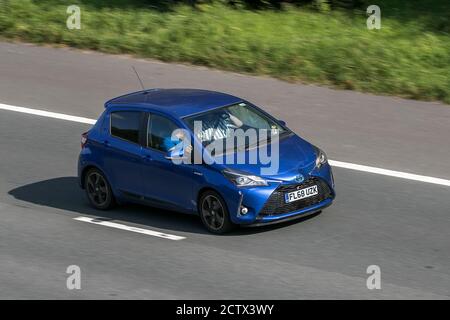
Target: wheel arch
{"points": [[206, 189], [86, 170]]}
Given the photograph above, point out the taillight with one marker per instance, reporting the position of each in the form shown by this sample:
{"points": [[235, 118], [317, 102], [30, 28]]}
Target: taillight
{"points": [[84, 139]]}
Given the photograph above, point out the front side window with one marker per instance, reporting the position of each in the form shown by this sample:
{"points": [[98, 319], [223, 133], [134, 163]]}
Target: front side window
{"points": [[159, 133], [125, 125]]}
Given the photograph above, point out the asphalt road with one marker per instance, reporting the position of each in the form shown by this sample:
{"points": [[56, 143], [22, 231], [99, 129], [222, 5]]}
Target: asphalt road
{"points": [[400, 225]]}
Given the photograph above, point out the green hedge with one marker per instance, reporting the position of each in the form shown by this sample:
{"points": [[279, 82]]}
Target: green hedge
{"points": [[409, 56]]}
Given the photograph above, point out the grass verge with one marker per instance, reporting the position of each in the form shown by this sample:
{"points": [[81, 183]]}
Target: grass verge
{"points": [[409, 56]]}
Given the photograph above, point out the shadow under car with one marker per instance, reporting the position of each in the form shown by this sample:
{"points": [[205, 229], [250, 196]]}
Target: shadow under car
{"points": [[64, 193]]}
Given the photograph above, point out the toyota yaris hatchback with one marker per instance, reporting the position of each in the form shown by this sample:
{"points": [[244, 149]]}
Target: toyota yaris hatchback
{"points": [[166, 148]]}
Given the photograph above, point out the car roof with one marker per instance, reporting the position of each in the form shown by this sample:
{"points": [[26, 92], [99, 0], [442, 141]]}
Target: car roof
{"points": [[178, 102]]}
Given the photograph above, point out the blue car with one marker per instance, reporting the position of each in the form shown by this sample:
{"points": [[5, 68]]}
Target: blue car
{"points": [[178, 149]]}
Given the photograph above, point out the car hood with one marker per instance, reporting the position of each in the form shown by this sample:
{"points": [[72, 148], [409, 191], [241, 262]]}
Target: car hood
{"points": [[296, 156]]}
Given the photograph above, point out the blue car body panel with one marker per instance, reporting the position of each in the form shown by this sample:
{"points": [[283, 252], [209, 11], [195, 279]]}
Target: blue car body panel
{"points": [[159, 182]]}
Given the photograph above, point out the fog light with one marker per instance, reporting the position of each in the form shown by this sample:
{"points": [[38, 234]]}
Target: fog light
{"points": [[244, 210]]}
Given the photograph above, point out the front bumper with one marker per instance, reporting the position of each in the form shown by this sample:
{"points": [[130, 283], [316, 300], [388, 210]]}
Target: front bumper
{"points": [[266, 205], [292, 215], [264, 221]]}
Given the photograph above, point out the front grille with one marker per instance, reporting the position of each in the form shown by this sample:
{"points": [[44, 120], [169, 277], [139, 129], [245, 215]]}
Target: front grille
{"points": [[277, 205]]}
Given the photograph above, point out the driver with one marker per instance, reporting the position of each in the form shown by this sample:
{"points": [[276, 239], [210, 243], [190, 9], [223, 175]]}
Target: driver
{"points": [[176, 142], [216, 125]]}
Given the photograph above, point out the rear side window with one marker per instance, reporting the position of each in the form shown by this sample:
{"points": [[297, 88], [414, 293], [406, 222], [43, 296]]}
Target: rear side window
{"points": [[125, 125]]}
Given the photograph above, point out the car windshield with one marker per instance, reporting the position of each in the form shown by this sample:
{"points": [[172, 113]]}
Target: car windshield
{"points": [[215, 126]]}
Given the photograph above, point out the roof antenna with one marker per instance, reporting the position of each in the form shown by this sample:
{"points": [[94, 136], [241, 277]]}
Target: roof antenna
{"points": [[139, 78]]}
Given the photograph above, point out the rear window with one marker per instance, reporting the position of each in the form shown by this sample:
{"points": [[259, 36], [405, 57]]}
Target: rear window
{"points": [[125, 125]]}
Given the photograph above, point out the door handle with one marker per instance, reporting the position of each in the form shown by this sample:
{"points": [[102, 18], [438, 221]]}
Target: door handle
{"points": [[197, 173], [105, 143]]}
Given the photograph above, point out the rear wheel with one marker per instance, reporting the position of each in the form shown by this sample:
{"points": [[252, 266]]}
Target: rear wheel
{"points": [[214, 213], [98, 190]]}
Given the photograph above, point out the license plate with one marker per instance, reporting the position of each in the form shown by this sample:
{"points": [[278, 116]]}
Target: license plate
{"points": [[301, 194]]}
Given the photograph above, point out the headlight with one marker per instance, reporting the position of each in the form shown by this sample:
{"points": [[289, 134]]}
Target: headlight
{"points": [[321, 158], [241, 179]]}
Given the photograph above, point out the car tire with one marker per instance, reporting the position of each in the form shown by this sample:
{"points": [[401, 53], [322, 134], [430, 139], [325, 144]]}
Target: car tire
{"points": [[214, 213], [98, 190]]}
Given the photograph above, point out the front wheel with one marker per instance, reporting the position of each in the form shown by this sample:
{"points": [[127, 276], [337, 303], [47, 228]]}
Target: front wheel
{"points": [[214, 213]]}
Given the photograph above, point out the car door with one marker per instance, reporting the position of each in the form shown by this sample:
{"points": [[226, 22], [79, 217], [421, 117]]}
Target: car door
{"points": [[122, 152], [165, 183]]}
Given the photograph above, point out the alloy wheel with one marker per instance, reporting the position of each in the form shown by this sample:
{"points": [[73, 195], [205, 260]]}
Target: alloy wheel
{"points": [[97, 189], [213, 212]]}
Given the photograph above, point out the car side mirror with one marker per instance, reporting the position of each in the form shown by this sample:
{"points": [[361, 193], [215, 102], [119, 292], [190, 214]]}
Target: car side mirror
{"points": [[282, 122], [175, 154]]}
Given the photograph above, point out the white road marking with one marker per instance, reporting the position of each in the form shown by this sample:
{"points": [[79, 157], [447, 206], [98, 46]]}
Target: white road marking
{"points": [[334, 163], [391, 173], [47, 114], [128, 228]]}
